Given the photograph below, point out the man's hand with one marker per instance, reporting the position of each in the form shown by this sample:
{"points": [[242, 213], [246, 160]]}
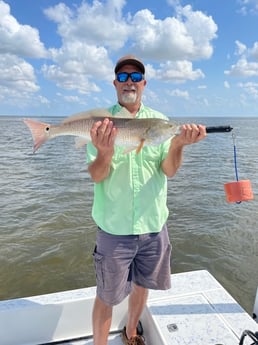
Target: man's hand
{"points": [[190, 134], [103, 136]]}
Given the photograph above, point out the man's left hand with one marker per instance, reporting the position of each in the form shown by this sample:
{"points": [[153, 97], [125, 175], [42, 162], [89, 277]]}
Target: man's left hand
{"points": [[190, 134]]}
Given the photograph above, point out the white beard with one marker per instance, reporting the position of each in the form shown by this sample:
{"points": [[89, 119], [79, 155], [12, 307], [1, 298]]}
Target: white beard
{"points": [[129, 98]]}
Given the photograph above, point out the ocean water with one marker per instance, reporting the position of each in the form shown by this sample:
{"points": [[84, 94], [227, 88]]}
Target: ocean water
{"points": [[47, 234]]}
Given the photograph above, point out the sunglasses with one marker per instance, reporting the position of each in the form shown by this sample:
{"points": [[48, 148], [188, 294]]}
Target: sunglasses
{"points": [[136, 77]]}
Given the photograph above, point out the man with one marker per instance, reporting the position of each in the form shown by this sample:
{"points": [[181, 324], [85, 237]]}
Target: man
{"points": [[132, 251]]}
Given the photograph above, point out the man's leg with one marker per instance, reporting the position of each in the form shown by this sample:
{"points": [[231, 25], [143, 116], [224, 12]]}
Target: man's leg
{"points": [[101, 320], [136, 304]]}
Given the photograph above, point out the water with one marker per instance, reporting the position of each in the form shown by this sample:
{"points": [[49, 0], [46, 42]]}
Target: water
{"points": [[47, 234]]}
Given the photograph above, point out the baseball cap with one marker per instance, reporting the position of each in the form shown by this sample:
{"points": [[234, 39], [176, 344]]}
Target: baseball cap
{"points": [[129, 60]]}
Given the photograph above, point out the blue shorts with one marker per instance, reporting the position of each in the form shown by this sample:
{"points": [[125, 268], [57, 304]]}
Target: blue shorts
{"points": [[122, 260]]}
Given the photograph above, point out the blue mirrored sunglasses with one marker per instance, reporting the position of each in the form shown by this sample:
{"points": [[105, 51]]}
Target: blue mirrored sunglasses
{"points": [[136, 77]]}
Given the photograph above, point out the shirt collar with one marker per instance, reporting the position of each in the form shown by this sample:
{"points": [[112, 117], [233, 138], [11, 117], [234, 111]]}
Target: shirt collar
{"points": [[118, 107]]}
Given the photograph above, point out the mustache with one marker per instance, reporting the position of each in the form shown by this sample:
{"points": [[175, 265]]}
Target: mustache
{"points": [[129, 88]]}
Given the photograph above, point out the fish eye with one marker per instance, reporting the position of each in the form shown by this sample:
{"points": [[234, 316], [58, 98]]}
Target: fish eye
{"points": [[47, 129]]}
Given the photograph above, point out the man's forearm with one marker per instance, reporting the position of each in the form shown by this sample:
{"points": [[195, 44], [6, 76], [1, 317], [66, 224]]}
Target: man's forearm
{"points": [[173, 161], [190, 134], [99, 169], [103, 138]]}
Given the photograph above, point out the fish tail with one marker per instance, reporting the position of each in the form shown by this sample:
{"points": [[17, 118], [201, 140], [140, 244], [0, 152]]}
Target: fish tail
{"points": [[39, 132]]}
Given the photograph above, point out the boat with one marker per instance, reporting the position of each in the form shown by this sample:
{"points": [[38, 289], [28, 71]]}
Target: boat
{"points": [[197, 310]]}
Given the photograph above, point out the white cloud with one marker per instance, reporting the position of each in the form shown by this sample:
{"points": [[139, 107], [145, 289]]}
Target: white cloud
{"points": [[179, 93], [251, 89], [200, 87], [95, 24], [174, 3], [91, 32], [187, 36], [72, 99], [18, 80], [153, 97], [248, 6], [178, 71], [78, 66], [17, 39], [43, 100], [226, 84], [245, 67], [254, 51], [88, 33], [60, 14], [240, 48], [18, 84], [78, 58], [69, 81]]}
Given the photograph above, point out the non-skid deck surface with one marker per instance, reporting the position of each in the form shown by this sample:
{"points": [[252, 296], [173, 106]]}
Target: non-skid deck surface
{"points": [[191, 320]]}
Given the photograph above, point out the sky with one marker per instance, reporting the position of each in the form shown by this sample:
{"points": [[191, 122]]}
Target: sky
{"points": [[57, 57]]}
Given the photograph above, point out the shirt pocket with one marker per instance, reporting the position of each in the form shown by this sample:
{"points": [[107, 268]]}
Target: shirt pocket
{"points": [[99, 269]]}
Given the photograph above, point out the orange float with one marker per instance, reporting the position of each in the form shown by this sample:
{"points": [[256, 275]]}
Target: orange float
{"points": [[238, 191]]}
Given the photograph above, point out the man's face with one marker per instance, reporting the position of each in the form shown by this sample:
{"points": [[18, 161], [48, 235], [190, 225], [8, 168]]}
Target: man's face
{"points": [[129, 92]]}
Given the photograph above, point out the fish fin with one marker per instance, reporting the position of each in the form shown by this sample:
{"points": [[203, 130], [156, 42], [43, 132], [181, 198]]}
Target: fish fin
{"points": [[124, 114], [99, 112], [132, 148], [39, 132], [80, 142], [140, 146], [129, 149]]}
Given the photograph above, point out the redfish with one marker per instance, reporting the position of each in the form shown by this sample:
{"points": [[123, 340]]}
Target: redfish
{"points": [[132, 133]]}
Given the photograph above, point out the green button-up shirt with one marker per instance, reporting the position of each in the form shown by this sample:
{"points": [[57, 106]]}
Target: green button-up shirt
{"points": [[132, 200]]}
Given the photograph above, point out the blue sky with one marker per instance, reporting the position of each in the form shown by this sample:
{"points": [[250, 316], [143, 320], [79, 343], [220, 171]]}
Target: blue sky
{"points": [[57, 58]]}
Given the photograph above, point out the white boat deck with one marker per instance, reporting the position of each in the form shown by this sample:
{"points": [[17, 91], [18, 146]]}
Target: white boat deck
{"points": [[197, 310], [114, 339]]}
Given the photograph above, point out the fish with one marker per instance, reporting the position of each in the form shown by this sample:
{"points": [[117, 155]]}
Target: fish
{"points": [[132, 133]]}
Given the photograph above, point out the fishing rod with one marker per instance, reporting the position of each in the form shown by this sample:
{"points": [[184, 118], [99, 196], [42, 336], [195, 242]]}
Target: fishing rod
{"points": [[218, 129]]}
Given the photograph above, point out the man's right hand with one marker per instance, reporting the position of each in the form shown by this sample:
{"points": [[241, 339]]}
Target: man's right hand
{"points": [[103, 136]]}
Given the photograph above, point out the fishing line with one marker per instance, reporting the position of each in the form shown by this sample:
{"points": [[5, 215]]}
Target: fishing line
{"points": [[235, 159], [235, 155], [238, 191]]}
